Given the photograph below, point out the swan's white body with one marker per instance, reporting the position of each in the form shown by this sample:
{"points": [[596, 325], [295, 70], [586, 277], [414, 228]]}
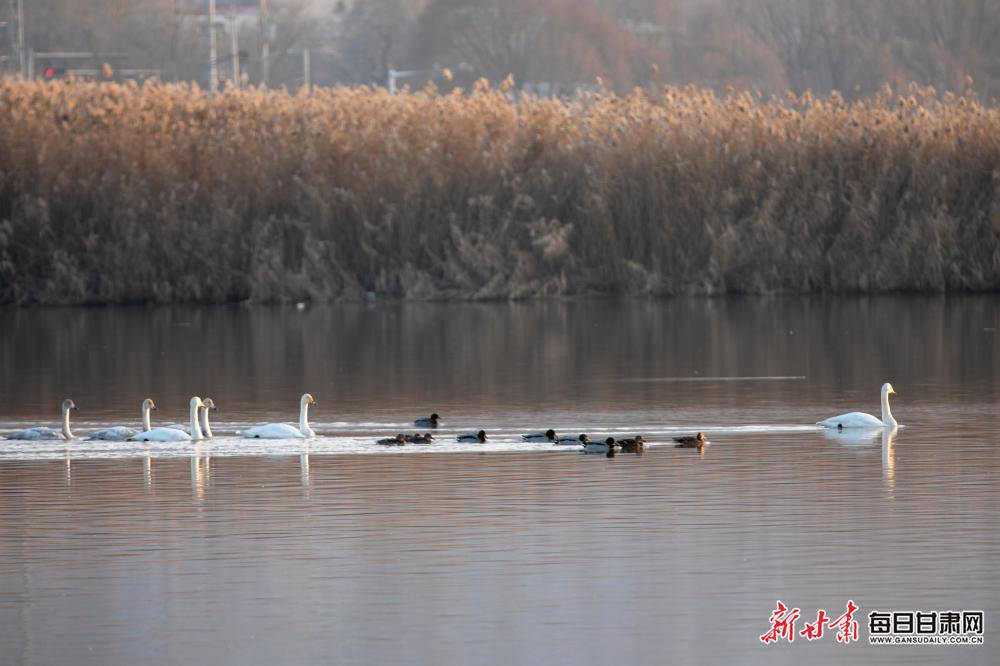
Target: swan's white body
{"points": [[206, 428], [539, 437], [283, 430], [862, 420], [43, 433], [121, 433], [174, 434]]}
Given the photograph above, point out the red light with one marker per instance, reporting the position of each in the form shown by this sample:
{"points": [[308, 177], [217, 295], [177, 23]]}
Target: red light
{"points": [[50, 72]]}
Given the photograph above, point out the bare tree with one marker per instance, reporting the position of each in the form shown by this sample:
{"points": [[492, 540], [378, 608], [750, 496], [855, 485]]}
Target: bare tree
{"points": [[374, 37]]}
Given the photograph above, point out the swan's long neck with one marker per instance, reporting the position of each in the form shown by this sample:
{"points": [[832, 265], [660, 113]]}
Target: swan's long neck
{"points": [[65, 424], [205, 429], [147, 425], [304, 418], [887, 419], [195, 426]]}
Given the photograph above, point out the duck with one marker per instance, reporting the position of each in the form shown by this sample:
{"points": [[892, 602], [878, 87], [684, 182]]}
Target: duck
{"points": [[582, 439], [121, 433], [690, 442], [863, 420], [417, 438], [283, 430], [431, 422], [473, 437], [43, 433], [608, 445], [398, 440], [632, 445], [174, 434], [547, 436]]}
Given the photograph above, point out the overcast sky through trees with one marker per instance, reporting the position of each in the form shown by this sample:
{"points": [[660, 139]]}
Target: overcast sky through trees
{"points": [[549, 46]]}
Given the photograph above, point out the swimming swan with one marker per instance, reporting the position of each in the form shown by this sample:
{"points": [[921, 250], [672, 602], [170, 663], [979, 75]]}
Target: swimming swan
{"points": [[49, 433], [206, 429], [121, 433], [207, 404], [862, 420], [174, 434], [283, 430]]}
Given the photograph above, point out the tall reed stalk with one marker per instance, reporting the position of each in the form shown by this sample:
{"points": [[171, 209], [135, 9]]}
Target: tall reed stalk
{"points": [[119, 193]]}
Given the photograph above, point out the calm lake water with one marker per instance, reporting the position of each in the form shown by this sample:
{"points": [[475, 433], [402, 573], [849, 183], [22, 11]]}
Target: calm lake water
{"points": [[335, 550]]}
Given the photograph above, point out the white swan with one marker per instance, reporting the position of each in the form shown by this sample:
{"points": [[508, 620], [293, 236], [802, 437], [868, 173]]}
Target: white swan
{"points": [[49, 433], [862, 420], [206, 429], [283, 430], [173, 434], [121, 433]]}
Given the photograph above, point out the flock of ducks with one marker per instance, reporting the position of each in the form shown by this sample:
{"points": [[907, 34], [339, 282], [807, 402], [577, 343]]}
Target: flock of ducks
{"points": [[199, 428]]}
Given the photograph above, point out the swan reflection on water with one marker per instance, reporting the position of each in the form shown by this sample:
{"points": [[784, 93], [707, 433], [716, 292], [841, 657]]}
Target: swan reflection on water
{"points": [[889, 457], [857, 438], [200, 475], [304, 475]]}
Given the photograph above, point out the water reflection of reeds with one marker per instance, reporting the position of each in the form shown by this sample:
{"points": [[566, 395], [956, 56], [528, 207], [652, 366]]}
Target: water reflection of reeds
{"points": [[411, 359]]}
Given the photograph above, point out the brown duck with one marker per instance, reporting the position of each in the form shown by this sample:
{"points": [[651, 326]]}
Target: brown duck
{"points": [[632, 445], [689, 442]]}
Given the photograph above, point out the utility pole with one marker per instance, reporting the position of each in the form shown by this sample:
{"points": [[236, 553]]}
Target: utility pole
{"points": [[306, 70], [234, 47], [265, 51], [213, 56], [22, 54]]}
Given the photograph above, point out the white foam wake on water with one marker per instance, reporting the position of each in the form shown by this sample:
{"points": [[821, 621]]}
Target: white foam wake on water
{"points": [[351, 441]]}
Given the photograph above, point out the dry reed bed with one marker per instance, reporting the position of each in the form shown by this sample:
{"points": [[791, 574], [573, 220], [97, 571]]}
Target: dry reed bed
{"points": [[118, 193]]}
